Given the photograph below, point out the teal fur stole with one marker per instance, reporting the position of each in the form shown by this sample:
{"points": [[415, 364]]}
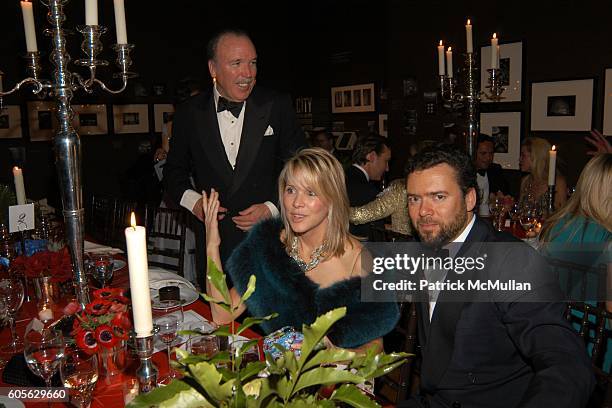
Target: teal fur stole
{"points": [[282, 287]]}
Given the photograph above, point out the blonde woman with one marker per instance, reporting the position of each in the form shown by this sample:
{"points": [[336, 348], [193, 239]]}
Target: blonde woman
{"points": [[534, 160], [306, 263]]}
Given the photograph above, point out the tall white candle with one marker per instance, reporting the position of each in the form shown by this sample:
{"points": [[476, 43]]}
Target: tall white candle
{"points": [[19, 187], [91, 12], [441, 59], [552, 165], [494, 52], [468, 37], [449, 62], [120, 21], [28, 26], [136, 239]]}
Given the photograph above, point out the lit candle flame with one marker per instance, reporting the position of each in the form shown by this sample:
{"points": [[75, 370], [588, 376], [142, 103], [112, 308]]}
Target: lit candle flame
{"points": [[440, 42], [133, 220], [16, 168], [554, 148], [469, 23], [449, 49], [494, 35]]}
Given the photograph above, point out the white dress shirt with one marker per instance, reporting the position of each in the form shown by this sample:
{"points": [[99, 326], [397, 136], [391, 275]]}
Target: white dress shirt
{"points": [[230, 128], [483, 188]]}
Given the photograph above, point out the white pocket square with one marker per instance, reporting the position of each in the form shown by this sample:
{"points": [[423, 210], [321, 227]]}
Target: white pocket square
{"points": [[269, 131]]}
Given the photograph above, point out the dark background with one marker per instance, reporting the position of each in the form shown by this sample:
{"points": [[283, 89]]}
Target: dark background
{"points": [[305, 48]]}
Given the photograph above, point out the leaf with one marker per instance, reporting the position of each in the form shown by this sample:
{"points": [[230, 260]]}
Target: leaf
{"points": [[250, 321], [316, 331], [329, 356], [353, 396], [160, 394], [252, 388], [249, 290], [218, 280], [187, 399], [244, 347], [251, 369], [220, 303], [209, 378], [222, 331], [325, 376]]}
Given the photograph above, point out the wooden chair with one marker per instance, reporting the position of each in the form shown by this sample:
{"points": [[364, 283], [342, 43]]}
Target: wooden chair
{"points": [[98, 216], [120, 219], [166, 229]]}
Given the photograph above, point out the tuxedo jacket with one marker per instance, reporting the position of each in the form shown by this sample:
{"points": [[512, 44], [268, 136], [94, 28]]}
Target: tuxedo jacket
{"points": [[511, 353], [360, 191], [497, 181], [270, 135]]}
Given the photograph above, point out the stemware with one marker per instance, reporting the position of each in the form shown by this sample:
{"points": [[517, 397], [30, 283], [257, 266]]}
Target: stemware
{"points": [[79, 373], [168, 326], [11, 293], [43, 353], [102, 268], [528, 219]]}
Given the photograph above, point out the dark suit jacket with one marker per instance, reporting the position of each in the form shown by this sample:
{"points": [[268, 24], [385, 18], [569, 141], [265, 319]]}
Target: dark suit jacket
{"points": [[497, 181], [196, 149], [512, 353], [360, 191]]}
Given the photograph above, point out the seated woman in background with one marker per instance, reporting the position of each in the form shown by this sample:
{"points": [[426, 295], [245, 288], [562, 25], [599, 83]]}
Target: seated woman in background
{"points": [[306, 263], [581, 231], [534, 160]]}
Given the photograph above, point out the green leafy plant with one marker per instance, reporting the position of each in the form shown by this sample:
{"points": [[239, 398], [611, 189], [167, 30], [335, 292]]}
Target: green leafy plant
{"points": [[289, 381]]}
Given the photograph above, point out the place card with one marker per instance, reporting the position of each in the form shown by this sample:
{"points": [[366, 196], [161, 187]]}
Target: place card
{"points": [[21, 217]]}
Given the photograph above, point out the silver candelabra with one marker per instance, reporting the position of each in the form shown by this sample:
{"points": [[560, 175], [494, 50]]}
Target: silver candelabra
{"points": [[470, 99], [67, 143]]}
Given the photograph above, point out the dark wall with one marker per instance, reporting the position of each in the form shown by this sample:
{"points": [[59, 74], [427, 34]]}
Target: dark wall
{"points": [[306, 48]]}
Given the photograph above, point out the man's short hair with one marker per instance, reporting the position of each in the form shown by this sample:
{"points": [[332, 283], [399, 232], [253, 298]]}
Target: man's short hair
{"points": [[483, 137], [446, 154], [211, 47], [366, 145]]}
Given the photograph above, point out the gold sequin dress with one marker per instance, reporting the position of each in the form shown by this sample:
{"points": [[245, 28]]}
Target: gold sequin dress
{"points": [[393, 201]]}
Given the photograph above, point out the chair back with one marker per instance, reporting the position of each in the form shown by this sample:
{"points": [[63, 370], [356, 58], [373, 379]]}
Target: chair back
{"points": [[166, 231]]}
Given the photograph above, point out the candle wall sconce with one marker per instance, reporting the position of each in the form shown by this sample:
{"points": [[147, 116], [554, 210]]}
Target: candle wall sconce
{"points": [[61, 87]]}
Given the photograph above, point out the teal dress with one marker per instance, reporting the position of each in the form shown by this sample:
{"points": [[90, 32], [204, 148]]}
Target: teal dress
{"points": [[582, 241]]}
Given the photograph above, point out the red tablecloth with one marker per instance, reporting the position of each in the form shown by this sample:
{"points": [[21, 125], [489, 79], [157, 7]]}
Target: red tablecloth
{"points": [[105, 396]]}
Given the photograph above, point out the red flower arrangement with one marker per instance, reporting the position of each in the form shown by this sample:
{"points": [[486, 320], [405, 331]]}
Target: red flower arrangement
{"points": [[104, 322], [58, 265]]}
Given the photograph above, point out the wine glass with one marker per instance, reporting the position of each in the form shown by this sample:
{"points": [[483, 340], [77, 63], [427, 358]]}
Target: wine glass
{"points": [[515, 213], [168, 326], [528, 219], [11, 293], [79, 373], [44, 353], [102, 268]]}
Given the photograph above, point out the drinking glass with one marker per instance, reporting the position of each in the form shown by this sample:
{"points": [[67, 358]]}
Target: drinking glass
{"points": [[168, 326], [43, 353], [515, 213], [102, 268], [11, 293], [528, 220], [204, 345], [79, 373]]}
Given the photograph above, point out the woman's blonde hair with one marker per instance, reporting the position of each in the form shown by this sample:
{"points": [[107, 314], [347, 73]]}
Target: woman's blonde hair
{"points": [[538, 149], [592, 198], [321, 172]]}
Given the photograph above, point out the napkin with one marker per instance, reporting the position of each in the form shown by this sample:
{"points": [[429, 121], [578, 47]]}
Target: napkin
{"points": [[93, 248], [158, 278]]}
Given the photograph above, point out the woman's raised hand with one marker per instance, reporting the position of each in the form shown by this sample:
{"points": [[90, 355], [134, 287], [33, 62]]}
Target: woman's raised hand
{"points": [[210, 205]]}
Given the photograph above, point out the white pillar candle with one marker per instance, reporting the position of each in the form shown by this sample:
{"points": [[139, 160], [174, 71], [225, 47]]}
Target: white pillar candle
{"points": [[468, 37], [120, 21], [136, 239], [494, 52], [28, 26], [552, 165], [440, 58], [449, 62], [19, 187], [91, 12]]}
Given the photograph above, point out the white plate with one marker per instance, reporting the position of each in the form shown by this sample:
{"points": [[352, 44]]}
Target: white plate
{"points": [[188, 296], [118, 264]]}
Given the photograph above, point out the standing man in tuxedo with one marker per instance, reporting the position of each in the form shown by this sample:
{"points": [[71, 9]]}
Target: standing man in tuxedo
{"points": [[491, 349], [370, 162], [489, 177], [234, 138]]}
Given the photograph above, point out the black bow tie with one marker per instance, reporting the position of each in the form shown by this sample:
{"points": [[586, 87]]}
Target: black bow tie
{"points": [[225, 105], [482, 172]]}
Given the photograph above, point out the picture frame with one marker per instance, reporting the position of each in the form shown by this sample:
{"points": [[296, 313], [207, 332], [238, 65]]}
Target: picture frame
{"points": [[345, 140], [353, 98], [90, 119], [42, 120], [382, 124], [607, 113], [562, 105], [510, 73], [10, 122], [162, 113], [505, 129], [132, 118]]}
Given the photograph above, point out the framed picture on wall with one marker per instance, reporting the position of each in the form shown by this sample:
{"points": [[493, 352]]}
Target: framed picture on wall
{"points": [[42, 120], [505, 129], [10, 122], [382, 125], [90, 119], [510, 71], [562, 105], [607, 114], [162, 112], [354, 98], [131, 118]]}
